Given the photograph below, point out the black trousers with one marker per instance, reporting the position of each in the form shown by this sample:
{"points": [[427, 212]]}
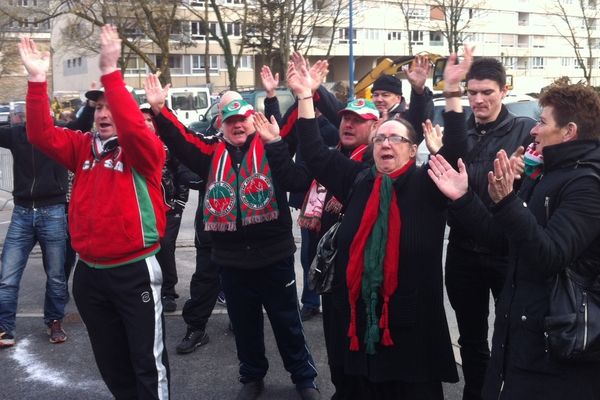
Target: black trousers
{"points": [[469, 278], [205, 283], [122, 311], [351, 387], [166, 255], [273, 287]]}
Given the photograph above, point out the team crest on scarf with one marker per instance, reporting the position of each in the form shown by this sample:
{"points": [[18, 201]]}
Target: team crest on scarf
{"points": [[256, 191], [257, 202], [220, 198]]}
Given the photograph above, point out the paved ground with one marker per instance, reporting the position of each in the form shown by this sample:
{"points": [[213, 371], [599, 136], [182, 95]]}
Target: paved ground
{"points": [[35, 369]]}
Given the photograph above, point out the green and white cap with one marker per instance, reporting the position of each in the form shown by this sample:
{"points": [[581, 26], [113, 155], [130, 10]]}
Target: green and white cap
{"points": [[363, 108], [237, 107]]}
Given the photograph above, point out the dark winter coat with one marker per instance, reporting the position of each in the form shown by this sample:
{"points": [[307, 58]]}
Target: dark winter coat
{"points": [[422, 351], [508, 132], [38, 180], [545, 233]]}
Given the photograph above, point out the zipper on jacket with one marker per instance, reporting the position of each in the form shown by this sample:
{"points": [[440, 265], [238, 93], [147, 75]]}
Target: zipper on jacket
{"points": [[547, 206], [501, 389], [32, 183], [585, 320]]}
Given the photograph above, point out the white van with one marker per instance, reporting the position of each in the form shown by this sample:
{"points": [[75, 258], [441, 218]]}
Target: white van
{"points": [[188, 103]]}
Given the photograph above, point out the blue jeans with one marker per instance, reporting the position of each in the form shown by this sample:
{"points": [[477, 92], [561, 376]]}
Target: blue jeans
{"points": [[48, 226]]}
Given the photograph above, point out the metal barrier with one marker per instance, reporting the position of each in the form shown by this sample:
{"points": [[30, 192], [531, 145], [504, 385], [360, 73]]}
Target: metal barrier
{"points": [[6, 174]]}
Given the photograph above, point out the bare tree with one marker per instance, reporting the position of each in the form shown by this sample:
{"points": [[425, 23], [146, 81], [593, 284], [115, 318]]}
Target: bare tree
{"points": [[455, 18], [408, 8], [580, 24], [143, 25], [228, 21]]}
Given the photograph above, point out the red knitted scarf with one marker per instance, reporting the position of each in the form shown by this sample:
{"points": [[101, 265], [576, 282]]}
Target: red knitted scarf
{"points": [[380, 248]]}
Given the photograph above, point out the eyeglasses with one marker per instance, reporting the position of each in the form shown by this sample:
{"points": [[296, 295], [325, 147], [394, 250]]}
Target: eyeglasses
{"points": [[393, 139]]}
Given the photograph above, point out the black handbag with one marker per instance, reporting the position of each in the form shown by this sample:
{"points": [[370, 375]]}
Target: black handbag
{"points": [[572, 327], [320, 274], [322, 268]]}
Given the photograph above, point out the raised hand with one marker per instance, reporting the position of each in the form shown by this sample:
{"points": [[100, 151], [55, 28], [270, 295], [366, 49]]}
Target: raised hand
{"points": [[36, 62], [451, 183], [517, 162], [269, 81], [110, 49], [318, 72], [299, 80], [155, 93], [417, 73], [433, 136], [501, 179], [268, 131], [455, 73]]}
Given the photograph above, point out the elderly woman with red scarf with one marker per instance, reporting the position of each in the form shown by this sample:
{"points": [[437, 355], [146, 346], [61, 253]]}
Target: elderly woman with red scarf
{"points": [[393, 338]]}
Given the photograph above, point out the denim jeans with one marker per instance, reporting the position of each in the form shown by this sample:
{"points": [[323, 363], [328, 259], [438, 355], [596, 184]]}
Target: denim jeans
{"points": [[46, 225]]}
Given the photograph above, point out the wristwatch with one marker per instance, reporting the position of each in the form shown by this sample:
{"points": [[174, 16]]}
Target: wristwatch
{"points": [[456, 93]]}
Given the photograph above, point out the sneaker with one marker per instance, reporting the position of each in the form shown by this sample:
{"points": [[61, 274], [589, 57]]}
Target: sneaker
{"points": [[309, 394], [221, 299], [307, 313], [56, 332], [6, 339], [169, 304], [191, 340], [251, 390]]}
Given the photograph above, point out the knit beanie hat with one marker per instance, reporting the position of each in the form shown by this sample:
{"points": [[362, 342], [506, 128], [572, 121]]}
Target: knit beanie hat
{"points": [[389, 83]]}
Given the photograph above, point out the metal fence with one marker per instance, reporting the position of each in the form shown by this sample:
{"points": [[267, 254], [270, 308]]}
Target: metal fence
{"points": [[6, 174]]}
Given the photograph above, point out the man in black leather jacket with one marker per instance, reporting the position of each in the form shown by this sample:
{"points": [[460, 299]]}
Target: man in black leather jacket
{"points": [[472, 270]]}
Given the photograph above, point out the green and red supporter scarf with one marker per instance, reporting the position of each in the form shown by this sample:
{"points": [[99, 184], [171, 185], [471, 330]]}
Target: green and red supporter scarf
{"points": [[534, 162], [374, 260], [252, 188], [314, 201]]}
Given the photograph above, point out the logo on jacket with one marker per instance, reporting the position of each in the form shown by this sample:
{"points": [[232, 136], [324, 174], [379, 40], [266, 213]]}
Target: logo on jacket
{"points": [[145, 297], [220, 198], [256, 191]]}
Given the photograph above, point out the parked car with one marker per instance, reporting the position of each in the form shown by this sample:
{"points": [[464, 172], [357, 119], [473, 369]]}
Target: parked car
{"points": [[520, 105], [4, 114], [255, 97]]}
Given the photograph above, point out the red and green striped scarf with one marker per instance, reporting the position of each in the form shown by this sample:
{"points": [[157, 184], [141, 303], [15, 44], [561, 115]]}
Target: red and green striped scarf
{"points": [[252, 188], [374, 260]]}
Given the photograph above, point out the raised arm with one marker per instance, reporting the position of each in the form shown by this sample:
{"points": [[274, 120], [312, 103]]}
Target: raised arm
{"points": [[58, 143], [142, 147], [186, 145]]}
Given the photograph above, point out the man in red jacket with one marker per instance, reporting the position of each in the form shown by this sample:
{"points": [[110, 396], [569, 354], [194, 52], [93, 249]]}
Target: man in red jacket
{"points": [[116, 219]]}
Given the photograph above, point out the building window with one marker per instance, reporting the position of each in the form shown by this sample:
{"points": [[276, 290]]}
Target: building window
{"points": [[135, 66], [175, 63], [537, 62], [418, 13], [507, 40], [234, 2], [416, 37], [395, 35], [436, 38], [523, 19], [196, 30], [508, 62], [233, 29], [566, 62], [538, 41], [344, 35], [246, 62], [371, 34], [198, 64]]}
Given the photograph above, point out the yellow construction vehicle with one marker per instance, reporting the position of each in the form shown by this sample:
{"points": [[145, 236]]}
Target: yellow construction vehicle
{"points": [[387, 66]]}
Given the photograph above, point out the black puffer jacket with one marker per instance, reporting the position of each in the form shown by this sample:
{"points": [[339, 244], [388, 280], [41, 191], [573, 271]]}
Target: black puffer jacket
{"points": [[546, 232], [38, 180], [508, 132]]}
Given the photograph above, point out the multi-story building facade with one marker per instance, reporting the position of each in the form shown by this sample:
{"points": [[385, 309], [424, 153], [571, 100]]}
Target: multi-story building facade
{"points": [[522, 33], [13, 79]]}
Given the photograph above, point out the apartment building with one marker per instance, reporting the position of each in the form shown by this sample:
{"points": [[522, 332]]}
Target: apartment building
{"points": [[522, 33], [13, 78]]}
